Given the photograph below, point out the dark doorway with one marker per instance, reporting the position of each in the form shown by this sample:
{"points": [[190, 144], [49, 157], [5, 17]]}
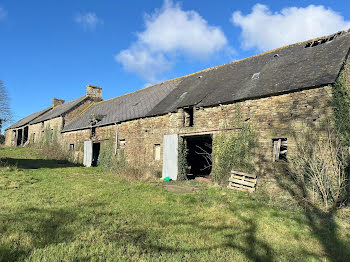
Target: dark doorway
{"points": [[95, 153], [19, 136], [25, 135], [199, 158]]}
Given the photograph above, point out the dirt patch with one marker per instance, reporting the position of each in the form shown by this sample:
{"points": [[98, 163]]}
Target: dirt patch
{"points": [[203, 179], [180, 189]]}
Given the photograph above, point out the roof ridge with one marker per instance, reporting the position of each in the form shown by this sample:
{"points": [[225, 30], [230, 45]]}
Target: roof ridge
{"points": [[139, 90], [232, 62]]}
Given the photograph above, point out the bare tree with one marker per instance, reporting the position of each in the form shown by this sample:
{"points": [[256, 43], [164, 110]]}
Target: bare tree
{"points": [[5, 112]]}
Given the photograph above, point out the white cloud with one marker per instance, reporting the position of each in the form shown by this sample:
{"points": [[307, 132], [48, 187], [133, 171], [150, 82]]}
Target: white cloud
{"points": [[3, 13], [264, 30], [143, 62], [88, 21], [170, 32]]}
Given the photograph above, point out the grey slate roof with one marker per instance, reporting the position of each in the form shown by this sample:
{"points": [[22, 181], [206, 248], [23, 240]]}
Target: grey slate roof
{"points": [[26, 120], [282, 70], [126, 107], [59, 110]]}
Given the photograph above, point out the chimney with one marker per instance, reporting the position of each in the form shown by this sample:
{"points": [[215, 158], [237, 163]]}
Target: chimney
{"points": [[94, 92], [57, 102]]}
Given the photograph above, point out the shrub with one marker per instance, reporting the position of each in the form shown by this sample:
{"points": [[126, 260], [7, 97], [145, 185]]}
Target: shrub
{"points": [[117, 163], [320, 169], [51, 148], [233, 150]]}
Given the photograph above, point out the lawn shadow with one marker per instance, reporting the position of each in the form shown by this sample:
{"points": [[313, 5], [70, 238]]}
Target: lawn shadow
{"points": [[36, 163], [322, 224], [40, 226], [237, 238]]}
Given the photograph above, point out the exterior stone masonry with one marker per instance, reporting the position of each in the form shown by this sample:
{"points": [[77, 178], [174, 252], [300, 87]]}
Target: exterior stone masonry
{"points": [[36, 131], [272, 117]]}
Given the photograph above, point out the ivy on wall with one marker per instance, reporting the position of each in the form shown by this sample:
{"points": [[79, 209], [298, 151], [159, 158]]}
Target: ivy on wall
{"points": [[341, 107], [182, 160], [107, 158], [233, 150]]}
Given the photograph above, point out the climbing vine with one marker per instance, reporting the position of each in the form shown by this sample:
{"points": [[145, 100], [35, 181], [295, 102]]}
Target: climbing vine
{"points": [[182, 160], [341, 107], [107, 159], [233, 150]]}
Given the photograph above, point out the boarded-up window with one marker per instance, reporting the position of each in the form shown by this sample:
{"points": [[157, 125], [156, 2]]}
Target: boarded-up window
{"points": [[279, 149], [122, 143], [157, 152]]}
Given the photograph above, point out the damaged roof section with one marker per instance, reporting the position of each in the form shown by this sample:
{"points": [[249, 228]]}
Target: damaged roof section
{"points": [[282, 70], [28, 119], [126, 107]]}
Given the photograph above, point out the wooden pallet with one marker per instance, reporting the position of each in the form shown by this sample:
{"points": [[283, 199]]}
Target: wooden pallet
{"points": [[242, 181]]}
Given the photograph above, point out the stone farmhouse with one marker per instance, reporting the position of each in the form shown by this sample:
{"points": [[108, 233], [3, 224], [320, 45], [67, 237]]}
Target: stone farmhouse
{"points": [[285, 89]]}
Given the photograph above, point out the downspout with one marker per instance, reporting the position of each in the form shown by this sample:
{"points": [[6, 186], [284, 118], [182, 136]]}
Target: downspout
{"points": [[116, 139]]}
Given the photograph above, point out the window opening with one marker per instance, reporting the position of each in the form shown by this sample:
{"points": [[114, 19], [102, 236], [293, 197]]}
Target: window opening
{"points": [[279, 149], [93, 131], [71, 147], [122, 143], [189, 117]]}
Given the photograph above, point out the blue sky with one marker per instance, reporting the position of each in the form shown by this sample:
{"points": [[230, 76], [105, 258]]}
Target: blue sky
{"points": [[55, 48]]}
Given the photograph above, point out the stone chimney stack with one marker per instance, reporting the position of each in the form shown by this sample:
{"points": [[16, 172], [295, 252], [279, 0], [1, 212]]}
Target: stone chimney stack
{"points": [[57, 102], [94, 92]]}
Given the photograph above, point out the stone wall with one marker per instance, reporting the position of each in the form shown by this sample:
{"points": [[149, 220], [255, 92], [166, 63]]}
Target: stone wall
{"points": [[37, 131], [9, 137], [272, 117]]}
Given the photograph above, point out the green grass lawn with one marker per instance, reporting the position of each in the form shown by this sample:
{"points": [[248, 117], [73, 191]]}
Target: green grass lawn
{"points": [[53, 211]]}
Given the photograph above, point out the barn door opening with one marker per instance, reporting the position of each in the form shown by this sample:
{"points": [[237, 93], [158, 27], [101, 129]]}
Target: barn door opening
{"points": [[199, 160], [95, 153], [19, 136], [25, 135]]}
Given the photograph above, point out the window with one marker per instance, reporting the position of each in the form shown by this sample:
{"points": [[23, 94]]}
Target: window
{"points": [[279, 149], [122, 143], [33, 137], [157, 152], [71, 147], [93, 131], [188, 117]]}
